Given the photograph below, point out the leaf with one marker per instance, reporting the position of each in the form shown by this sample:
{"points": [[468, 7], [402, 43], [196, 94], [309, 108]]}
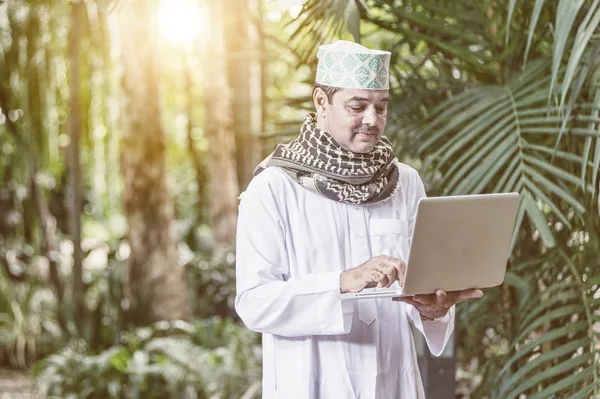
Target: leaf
{"points": [[565, 17], [479, 150], [483, 139], [558, 340], [548, 167], [120, 360], [584, 33], [552, 312], [594, 113], [553, 187], [318, 22], [492, 165], [585, 393], [511, 171], [583, 72], [572, 379], [365, 6], [517, 282], [459, 111], [549, 151], [353, 19], [473, 131], [549, 336], [511, 10], [561, 368], [543, 197], [532, 365], [535, 15], [518, 222]]}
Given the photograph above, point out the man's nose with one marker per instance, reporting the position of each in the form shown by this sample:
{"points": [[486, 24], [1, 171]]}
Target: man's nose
{"points": [[369, 119]]}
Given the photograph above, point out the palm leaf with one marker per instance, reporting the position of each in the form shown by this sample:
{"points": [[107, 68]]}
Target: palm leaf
{"points": [[592, 126], [511, 10], [537, 9], [565, 17], [318, 22], [582, 38], [484, 141], [555, 353]]}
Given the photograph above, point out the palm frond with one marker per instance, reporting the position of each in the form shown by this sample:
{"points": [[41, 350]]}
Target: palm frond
{"points": [[535, 15], [501, 138], [511, 10], [567, 50], [557, 350], [318, 22], [580, 43]]}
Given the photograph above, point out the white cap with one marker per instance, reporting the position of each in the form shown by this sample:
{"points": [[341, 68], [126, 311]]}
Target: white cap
{"points": [[350, 65]]}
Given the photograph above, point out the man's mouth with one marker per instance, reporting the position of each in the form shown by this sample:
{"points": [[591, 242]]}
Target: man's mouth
{"points": [[367, 132]]}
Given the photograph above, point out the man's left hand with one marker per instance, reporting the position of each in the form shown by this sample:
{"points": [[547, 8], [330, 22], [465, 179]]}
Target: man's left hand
{"points": [[435, 306]]}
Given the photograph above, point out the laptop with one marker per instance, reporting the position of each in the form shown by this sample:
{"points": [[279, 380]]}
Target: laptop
{"points": [[459, 242]]}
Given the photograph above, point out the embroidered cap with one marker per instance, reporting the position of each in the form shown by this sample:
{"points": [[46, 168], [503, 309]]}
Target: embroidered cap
{"points": [[350, 65]]}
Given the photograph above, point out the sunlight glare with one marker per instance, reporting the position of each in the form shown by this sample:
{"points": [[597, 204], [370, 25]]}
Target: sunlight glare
{"points": [[277, 9], [180, 21], [295, 10], [274, 16]]}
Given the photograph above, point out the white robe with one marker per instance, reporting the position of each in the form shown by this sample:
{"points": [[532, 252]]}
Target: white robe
{"points": [[292, 245]]}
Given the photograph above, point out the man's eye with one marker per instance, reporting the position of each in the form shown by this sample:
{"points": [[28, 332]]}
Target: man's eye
{"points": [[380, 110], [357, 108]]}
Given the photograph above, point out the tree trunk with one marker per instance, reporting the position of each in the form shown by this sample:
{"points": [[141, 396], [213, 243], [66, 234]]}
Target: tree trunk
{"points": [[73, 160], [198, 160], [224, 187], [157, 287], [258, 78], [242, 64], [32, 125]]}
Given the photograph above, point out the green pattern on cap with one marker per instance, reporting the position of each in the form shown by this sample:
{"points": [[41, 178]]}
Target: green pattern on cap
{"points": [[350, 65]]}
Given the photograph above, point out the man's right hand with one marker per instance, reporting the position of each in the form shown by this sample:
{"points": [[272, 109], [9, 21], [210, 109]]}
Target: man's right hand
{"points": [[380, 271]]}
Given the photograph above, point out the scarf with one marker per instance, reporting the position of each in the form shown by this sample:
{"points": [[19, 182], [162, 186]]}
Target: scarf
{"points": [[317, 162]]}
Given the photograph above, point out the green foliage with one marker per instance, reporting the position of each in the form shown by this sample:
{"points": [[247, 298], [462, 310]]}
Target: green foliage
{"points": [[211, 278], [37, 310], [208, 359], [547, 344], [28, 319], [502, 139], [558, 340], [28, 326]]}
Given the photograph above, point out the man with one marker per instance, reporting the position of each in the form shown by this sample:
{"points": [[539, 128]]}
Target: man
{"points": [[328, 213]]}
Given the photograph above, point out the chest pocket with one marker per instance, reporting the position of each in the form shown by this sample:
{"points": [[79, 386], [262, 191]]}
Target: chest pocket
{"points": [[389, 237]]}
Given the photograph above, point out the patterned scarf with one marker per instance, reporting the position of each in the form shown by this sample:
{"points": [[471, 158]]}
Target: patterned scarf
{"points": [[320, 164]]}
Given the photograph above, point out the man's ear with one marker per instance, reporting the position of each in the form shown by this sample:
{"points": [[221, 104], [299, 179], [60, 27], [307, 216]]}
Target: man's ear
{"points": [[320, 100]]}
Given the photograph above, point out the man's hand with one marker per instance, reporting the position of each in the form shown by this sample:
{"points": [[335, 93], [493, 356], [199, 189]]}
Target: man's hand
{"points": [[433, 306], [380, 271]]}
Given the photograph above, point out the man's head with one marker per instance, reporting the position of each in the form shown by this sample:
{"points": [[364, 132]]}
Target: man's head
{"points": [[351, 94]]}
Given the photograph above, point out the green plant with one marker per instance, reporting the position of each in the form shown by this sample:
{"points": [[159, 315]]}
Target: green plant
{"points": [[557, 347], [211, 279], [208, 359], [28, 326]]}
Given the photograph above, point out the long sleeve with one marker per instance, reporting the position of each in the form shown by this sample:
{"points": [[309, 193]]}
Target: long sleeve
{"points": [[438, 333], [268, 299]]}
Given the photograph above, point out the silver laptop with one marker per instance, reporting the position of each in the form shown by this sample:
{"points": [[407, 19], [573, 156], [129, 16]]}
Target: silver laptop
{"points": [[459, 242]]}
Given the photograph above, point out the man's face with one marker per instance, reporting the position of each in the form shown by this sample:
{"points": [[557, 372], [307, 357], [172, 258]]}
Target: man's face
{"points": [[355, 119]]}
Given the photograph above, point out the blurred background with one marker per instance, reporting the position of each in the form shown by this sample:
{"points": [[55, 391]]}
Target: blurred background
{"points": [[129, 128]]}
